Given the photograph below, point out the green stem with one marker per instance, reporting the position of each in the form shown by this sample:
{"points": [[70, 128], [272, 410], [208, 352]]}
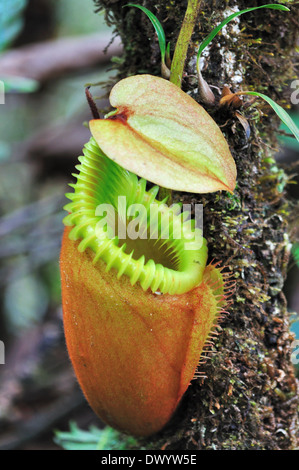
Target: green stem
{"points": [[179, 58], [183, 41]]}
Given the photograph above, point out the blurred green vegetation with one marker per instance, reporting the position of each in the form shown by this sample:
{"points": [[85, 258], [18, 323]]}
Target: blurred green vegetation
{"points": [[30, 235], [42, 132], [11, 20], [73, 18], [93, 439]]}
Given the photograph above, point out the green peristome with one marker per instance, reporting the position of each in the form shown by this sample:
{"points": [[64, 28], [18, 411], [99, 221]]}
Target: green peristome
{"points": [[171, 262]]}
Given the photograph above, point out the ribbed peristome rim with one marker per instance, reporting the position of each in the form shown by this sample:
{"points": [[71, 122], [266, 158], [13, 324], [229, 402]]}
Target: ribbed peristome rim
{"points": [[102, 181]]}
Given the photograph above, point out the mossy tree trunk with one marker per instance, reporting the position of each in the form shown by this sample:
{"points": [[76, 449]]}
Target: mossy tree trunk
{"points": [[249, 399]]}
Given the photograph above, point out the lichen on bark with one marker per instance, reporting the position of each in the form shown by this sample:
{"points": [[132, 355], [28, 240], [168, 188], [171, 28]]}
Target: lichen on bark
{"points": [[249, 399]]}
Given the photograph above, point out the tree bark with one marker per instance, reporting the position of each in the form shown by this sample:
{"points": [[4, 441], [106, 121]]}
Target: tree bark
{"points": [[249, 399]]}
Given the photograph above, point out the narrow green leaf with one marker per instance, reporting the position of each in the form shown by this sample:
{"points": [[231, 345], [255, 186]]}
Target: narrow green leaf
{"points": [[281, 113], [295, 252], [158, 28], [288, 141], [218, 28]]}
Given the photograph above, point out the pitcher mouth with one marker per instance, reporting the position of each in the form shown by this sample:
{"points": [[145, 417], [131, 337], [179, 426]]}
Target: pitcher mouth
{"points": [[157, 260]]}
